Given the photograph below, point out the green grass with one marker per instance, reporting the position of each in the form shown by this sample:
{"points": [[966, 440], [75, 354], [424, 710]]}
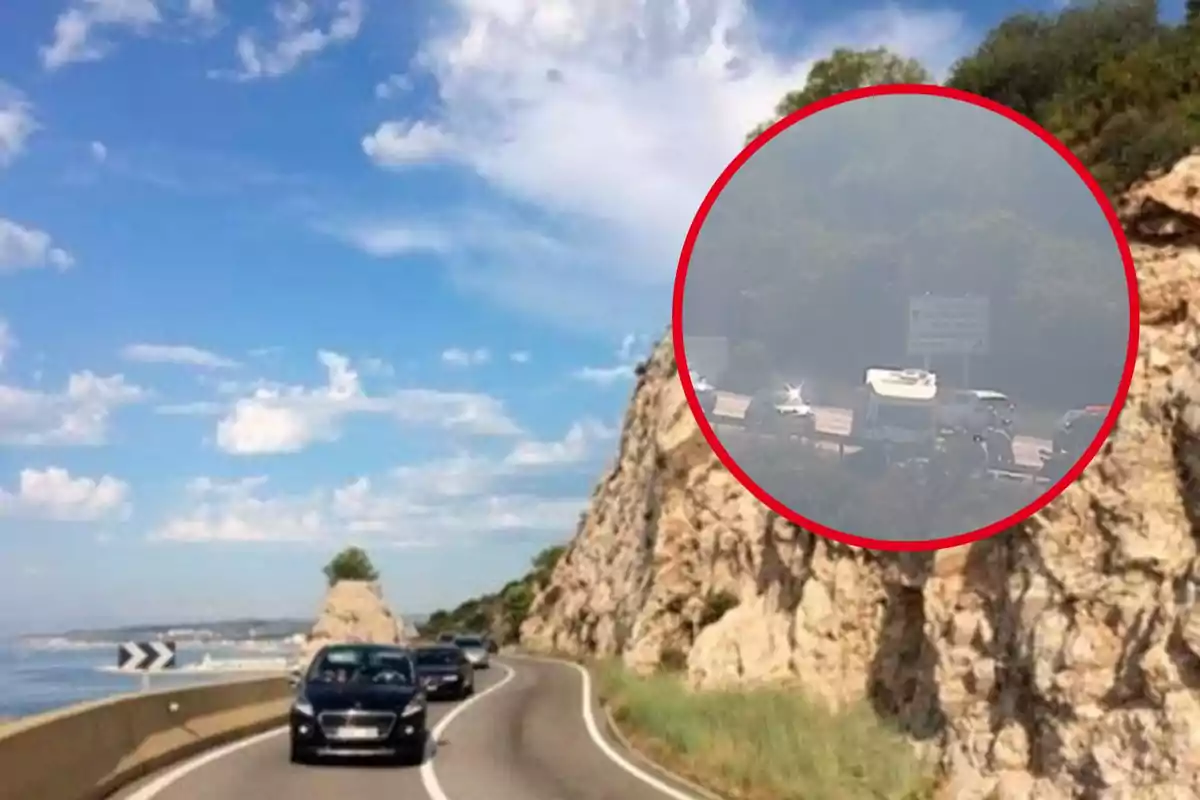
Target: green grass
{"points": [[763, 743]]}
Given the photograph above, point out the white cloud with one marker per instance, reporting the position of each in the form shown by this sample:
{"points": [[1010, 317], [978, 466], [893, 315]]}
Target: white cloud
{"points": [[176, 354], [233, 512], [52, 494], [392, 85], [8, 342], [77, 415], [398, 144], [28, 248], [17, 124], [99, 152], [629, 354], [425, 504], [604, 376], [386, 240], [202, 9], [458, 357], [574, 448], [377, 366], [290, 419], [588, 110], [300, 36], [75, 30], [519, 357], [200, 408]]}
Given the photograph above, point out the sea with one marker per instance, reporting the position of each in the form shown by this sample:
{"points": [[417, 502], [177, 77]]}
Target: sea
{"points": [[42, 677]]}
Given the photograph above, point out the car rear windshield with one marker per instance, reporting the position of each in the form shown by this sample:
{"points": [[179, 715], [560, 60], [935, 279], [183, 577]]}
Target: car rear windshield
{"points": [[469, 641], [360, 664], [912, 417], [438, 657]]}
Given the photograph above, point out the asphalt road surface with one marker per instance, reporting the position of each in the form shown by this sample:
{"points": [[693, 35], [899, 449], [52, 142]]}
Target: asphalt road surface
{"points": [[525, 735]]}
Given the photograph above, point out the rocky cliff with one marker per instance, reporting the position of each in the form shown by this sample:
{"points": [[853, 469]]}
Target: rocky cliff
{"points": [[1059, 660], [354, 611]]}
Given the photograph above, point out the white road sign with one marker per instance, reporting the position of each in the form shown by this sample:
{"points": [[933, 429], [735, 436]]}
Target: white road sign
{"points": [[947, 325]]}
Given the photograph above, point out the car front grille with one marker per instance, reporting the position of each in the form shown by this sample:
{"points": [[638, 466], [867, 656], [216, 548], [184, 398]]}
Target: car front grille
{"points": [[381, 722]]}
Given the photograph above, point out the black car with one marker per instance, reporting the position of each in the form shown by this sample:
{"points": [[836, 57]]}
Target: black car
{"points": [[1077, 429], [359, 700], [444, 671]]}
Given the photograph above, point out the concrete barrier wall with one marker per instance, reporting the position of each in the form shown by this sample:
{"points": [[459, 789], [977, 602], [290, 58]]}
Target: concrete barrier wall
{"points": [[87, 752]]}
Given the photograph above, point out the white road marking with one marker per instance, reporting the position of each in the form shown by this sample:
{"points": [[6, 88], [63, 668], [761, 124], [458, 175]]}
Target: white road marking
{"points": [[428, 776], [167, 779], [593, 730]]}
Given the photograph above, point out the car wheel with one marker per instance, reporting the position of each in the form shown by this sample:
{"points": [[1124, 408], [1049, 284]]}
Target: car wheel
{"points": [[299, 755], [410, 756]]}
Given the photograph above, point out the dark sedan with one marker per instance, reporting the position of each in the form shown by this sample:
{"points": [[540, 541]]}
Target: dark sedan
{"points": [[359, 700], [444, 671], [1077, 429]]}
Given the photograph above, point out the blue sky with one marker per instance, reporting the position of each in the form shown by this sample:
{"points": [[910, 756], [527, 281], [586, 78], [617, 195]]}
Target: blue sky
{"points": [[276, 278]]}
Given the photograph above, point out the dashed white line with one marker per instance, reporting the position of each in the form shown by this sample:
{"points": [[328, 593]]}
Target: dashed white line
{"points": [[428, 776]]}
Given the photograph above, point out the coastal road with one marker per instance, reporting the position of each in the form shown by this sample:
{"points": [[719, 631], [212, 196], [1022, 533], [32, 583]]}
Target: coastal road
{"points": [[834, 422], [525, 735]]}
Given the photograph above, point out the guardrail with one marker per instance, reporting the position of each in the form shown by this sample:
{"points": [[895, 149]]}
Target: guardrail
{"points": [[89, 751]]}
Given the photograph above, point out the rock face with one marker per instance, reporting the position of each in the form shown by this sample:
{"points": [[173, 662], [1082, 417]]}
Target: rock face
{"points": [[354, 611], [1059, 660]]}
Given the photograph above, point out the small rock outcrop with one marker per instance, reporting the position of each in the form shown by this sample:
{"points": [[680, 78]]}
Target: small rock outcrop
{"points": [[1059, 660], [355, 611]]}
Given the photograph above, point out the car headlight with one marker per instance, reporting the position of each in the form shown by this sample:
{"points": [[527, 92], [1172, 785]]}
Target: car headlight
{"points": [[414, 707], [303, 707], [451, 677]]}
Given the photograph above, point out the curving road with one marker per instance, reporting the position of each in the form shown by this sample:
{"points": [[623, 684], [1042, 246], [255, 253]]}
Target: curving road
{"points": [[531, 732]]}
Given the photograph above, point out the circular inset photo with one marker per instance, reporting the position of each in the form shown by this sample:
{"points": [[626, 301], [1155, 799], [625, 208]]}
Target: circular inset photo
{"points": [[906, 317]]}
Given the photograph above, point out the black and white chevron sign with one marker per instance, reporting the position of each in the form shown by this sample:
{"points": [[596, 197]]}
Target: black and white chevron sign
{"points": [[145, 656]]}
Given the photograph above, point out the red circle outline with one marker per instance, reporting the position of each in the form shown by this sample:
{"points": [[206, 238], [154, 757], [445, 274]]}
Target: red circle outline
{"points": [[1130, 353]]}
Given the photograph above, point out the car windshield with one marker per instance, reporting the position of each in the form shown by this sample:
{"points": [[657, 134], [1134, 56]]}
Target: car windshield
{"points": [[912, 417], [1088, 426], [437, 657], [362, 665], [469, 641]]}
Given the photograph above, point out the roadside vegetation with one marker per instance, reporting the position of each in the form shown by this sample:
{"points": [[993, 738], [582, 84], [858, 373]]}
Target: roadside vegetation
{"points": [[765, 743], [498, 614]]}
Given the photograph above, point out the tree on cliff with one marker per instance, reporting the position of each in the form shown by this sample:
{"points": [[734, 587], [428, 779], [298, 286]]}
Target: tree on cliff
{"points": [[844, 70], [352, 564], [1112, 81]]}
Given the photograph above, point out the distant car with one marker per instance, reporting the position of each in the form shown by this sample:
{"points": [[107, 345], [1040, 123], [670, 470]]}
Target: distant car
{"points": [[706, 393], [786, 408], [475, 649], [359, 700], [1077, 429], [975, 410], [447, 637], [444, 671]]}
